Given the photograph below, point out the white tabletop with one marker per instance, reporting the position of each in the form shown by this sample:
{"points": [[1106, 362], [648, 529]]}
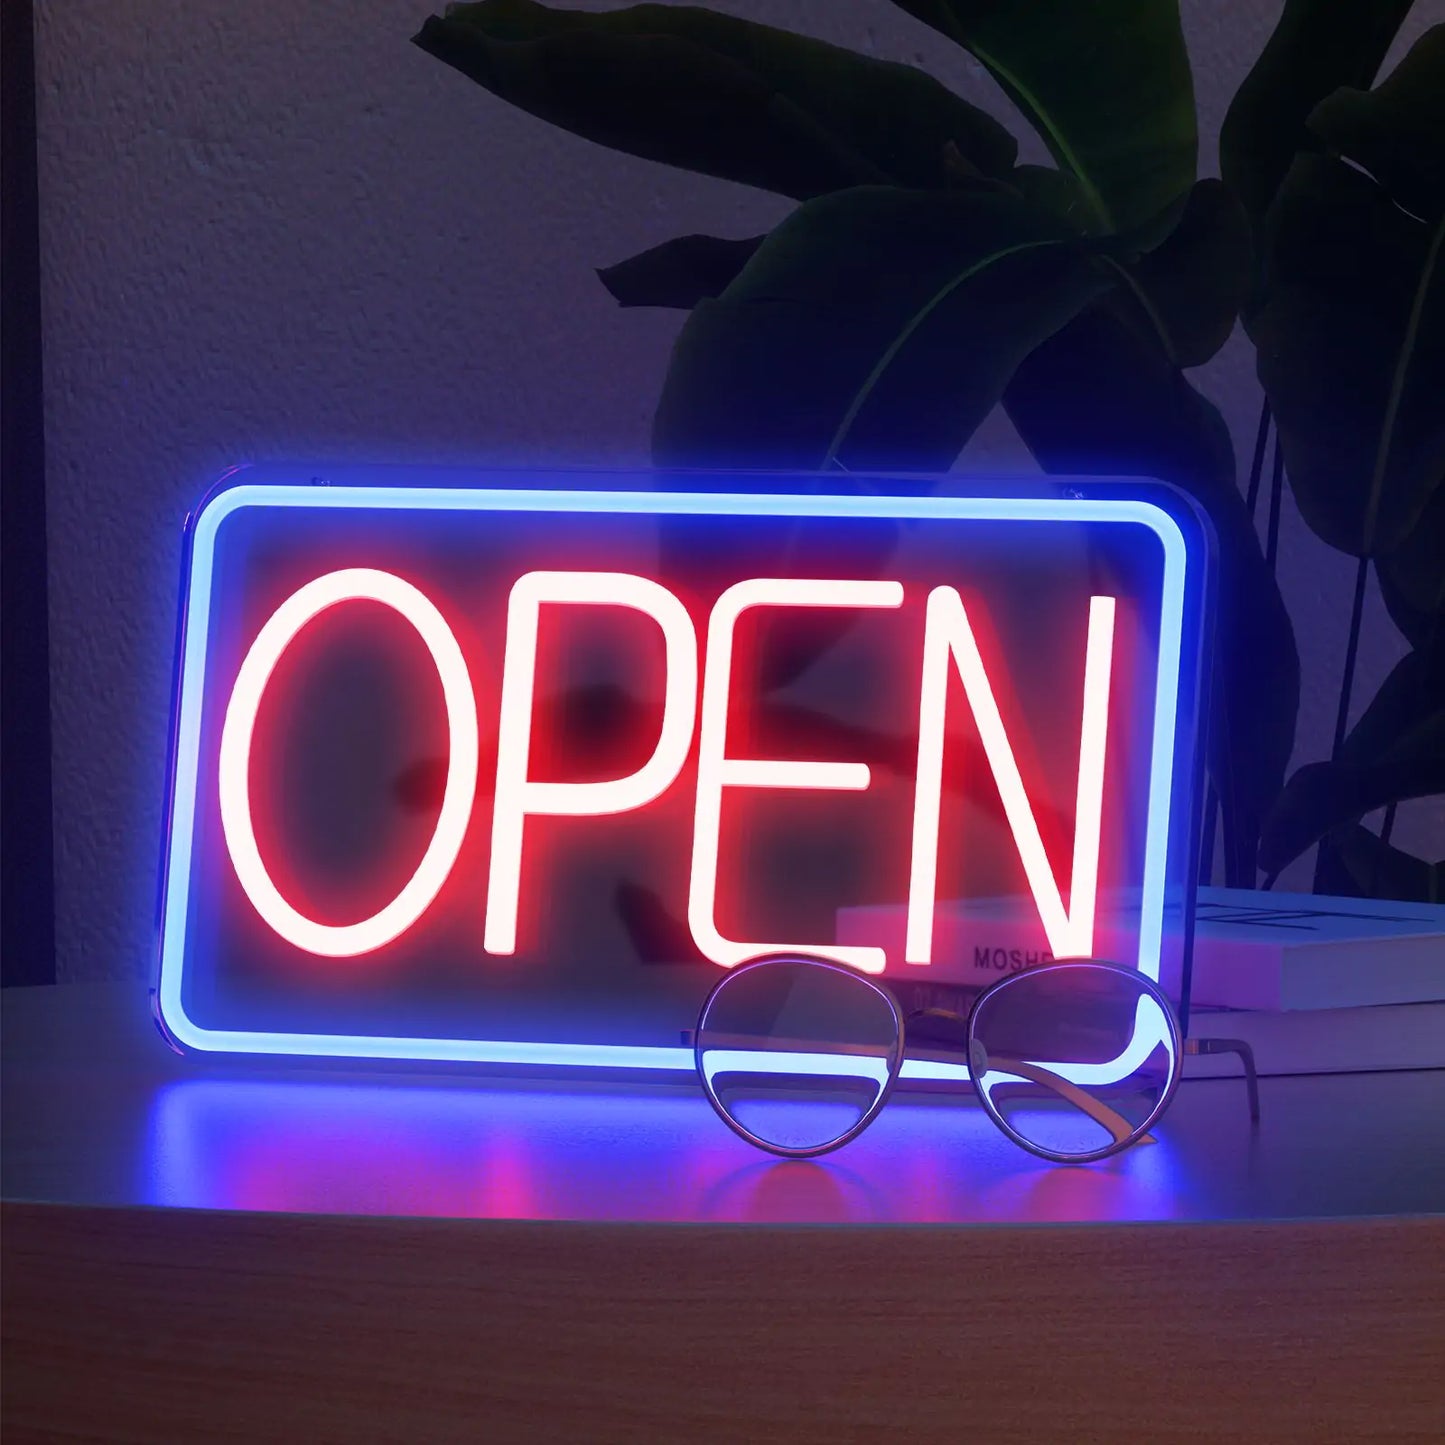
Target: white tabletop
{"points": [[98, 1111]]}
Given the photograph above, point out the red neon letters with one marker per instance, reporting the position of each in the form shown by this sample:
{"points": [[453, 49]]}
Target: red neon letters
{"points": [[948, 635]]}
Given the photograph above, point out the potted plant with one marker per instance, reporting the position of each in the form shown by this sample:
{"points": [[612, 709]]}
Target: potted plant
{"points": [[925, 277]]}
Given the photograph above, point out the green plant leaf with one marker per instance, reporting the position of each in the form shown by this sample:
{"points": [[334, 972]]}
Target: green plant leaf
{"points": [[1396, 131], [1194, 281], [1320, 797], [874, 328], [1351, 351], [1318, 46], [1059, 192], [1105, 83], [1403, 719], [679, 273], [1357, 864], [682, 272], [719, 95], [872, 331], [1103, 398], [1396, 751], [1412, 577]]}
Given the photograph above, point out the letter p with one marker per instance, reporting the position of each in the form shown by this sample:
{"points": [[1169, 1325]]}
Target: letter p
{"points": [[516, 796]]}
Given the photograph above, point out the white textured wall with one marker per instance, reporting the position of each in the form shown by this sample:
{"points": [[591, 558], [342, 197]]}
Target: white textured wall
{"points": [[279, 230]]}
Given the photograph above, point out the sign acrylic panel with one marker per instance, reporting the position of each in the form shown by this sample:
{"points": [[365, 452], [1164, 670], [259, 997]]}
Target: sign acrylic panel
{"points": [[502, 769]]}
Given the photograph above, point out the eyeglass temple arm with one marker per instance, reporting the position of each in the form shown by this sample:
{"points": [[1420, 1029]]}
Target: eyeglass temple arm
{"points": [[1246, 1057], [1119, 1127]]}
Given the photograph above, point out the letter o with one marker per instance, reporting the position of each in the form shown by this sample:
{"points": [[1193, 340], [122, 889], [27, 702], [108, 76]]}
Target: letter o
{"points": [[304, 605]]}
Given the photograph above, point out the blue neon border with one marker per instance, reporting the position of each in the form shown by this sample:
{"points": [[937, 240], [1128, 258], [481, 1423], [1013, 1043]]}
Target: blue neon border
{"points": [[192, 644]]}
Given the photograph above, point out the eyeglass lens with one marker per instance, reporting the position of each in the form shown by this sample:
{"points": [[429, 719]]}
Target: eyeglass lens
{"points": [[797, 1054], [1073, 1059]]}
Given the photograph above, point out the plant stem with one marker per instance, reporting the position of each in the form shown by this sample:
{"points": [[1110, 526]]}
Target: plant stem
{"points": [[1347, 683], [1271, 541], [1206, 846], [1352, 652], [1386, 828], [1212, 800], [1256, 467], [1276, 496]]}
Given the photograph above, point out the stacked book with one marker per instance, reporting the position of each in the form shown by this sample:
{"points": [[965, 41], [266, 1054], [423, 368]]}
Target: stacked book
{"points": [[1318, 985], [1313, 984]]}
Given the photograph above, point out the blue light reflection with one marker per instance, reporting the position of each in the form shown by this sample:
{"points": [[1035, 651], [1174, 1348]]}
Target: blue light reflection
{"points": [[376, 1147]]}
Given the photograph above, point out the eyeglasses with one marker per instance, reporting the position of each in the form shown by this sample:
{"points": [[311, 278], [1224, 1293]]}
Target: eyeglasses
{"points": [[1073, 1060]]}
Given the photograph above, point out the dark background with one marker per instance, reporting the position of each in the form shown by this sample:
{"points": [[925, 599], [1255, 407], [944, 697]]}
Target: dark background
{"points": [[281, 231]]}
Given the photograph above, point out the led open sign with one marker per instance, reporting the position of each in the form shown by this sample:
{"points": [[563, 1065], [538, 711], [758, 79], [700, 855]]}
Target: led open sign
{"points": [[503, 770]]}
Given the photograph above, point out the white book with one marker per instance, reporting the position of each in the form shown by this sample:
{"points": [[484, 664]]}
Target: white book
{"points": [[1283, 951], [1252, 950], [1323, 1041]]}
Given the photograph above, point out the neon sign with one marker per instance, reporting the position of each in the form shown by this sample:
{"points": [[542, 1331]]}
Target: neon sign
{"points": [[737, 802]]}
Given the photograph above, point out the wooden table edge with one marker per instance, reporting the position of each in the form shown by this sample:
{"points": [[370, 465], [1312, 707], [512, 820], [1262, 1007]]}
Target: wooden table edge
{"points": [[137, 1323]]}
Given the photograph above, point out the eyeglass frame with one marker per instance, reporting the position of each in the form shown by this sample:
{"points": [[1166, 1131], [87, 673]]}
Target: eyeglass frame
{"points": [[1180, 1048]]}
